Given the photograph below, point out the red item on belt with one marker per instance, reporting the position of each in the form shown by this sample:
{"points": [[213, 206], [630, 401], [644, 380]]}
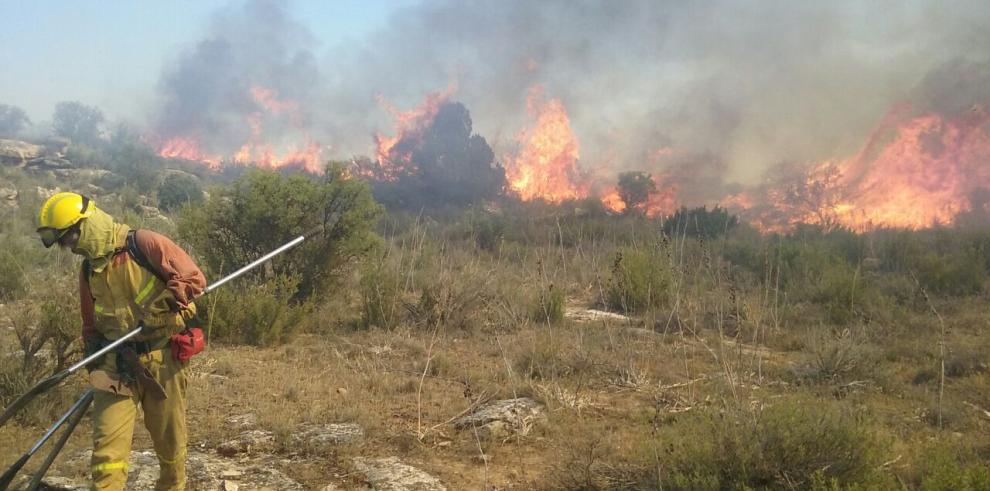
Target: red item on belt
{"points": [[187, 344]]}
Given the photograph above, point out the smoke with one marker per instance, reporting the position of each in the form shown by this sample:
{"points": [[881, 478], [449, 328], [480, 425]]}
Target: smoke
{"points": [[739, 85], [207, 93]]}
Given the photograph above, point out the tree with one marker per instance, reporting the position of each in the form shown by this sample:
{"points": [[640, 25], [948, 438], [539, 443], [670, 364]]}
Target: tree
{"points": [[447, 165], [635, 189], [263, 209], [12, 120], [77, 122]]}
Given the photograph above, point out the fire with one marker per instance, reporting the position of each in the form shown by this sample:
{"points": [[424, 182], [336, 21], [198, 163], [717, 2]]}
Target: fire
{"points": [[186, 149], [546, 166], [612, 201], [409, 127], [924, 176], [913, 172], [256, 150]]}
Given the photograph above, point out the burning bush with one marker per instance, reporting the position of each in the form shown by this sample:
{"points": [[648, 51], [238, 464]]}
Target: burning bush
{"points": [[443, 165]]}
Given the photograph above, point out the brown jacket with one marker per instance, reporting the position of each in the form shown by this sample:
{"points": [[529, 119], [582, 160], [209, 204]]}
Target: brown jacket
{"points": [[183, 279]]}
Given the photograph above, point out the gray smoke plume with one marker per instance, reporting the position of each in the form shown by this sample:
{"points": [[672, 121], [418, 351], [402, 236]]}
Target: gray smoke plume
{"points": [[743, 84], [207, 93]]}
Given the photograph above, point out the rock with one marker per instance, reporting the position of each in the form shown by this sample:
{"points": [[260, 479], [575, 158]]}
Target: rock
{"points": [[43, 164], [503, 418], [323, 437], [150, 212], [592, 315], [342, 391], [56, 483], [239, 421], [45, 193], [81, 174], [391, 474], [8, 194], [16, 152], [204, 471], [247, 441]]}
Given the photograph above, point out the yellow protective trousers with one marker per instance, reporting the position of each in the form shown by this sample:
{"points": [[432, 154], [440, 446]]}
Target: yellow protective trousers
{"points": [[113, 426]]}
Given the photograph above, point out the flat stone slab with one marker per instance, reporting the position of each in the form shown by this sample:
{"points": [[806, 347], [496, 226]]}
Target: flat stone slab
{"points": [[593, 315], [391, 474], [322, 437], [502, 418], [204, 471]]}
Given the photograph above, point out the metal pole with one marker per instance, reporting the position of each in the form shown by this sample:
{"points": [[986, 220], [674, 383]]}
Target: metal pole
{"points": [[79, 405], [62, 440]]}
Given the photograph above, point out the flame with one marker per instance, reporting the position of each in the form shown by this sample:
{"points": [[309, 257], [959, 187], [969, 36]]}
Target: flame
{"points": [[612, 201], [185, 148], [256, 150], [409, 126], [546, 166], [913, 172]]}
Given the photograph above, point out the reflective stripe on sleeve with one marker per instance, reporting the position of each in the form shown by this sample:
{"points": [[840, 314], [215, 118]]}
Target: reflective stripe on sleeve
{"points": [[145, 291]]}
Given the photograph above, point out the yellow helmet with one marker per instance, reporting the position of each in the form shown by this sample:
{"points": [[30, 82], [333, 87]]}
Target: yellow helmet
{"points": [[60, 213]]}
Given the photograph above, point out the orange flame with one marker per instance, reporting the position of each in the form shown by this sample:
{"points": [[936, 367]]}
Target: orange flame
{"points": [[546, 166], [612, 201], [913, 172], [186, 149], [255, 150]]}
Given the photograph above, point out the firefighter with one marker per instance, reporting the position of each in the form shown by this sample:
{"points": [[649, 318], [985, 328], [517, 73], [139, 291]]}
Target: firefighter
{"points": [[130, 277]]}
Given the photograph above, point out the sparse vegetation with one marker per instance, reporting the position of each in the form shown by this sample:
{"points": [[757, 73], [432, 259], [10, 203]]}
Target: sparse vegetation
{"points": [[809, 360]]}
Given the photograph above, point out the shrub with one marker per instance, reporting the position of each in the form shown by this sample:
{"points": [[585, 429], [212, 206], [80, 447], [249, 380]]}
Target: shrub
{"points": [[263, 209], [700, 222], [959, 273], [257, 313], [780, 446], [178, 189], [641, 279], [944, 466]]}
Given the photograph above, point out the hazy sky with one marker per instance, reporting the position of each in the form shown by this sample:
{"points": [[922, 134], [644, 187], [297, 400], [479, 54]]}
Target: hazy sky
{"points": [[111, 53]]}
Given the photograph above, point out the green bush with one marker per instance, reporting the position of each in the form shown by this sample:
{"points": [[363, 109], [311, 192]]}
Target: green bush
{"points": [[257, 313], [178, 189], [959, 273], [641, 280], [788, 445], [700, 222], [262, 210], [944, 466]]}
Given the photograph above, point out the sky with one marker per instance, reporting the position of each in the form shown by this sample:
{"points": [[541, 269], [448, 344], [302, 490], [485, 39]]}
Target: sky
{"points": [[111, 53]]}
